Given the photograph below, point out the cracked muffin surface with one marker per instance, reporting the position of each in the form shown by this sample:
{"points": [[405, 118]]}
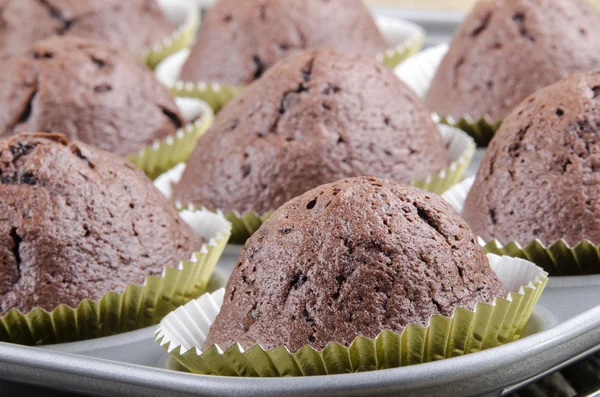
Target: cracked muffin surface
{"points": [[131, 24], [239, 40], [77, 222], [92, 93], [354, 257], [505, 50], [316, 117], [539, 178]]}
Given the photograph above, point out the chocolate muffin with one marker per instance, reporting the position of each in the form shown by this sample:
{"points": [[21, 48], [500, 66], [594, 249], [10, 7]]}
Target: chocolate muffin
{"points": [[504, 51], [351, 258], [133, 24], [239, 40], [93, 93], [539, 178], [316, 117], [78, 222]]}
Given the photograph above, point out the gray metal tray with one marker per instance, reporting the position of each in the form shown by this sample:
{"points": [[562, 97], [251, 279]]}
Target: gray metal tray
{"points": [[565, 324]]}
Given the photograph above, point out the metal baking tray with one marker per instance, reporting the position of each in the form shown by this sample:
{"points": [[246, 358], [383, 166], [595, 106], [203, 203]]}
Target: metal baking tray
{"points": [[565, 325]]}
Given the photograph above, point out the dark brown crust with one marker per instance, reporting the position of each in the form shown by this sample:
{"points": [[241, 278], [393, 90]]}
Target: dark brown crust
{"points": [[77, 222], [317, 117], [539, 177], [93, 93], [506, 50], [352, 258], [134, 25], [240, 40]]}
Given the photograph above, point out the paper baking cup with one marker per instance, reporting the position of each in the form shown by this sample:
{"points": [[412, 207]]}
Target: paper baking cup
{"points": [[186, 16], [137, 307], [183, 332], [558, 259], [164, 154], [418, 72], [405, 39], [460, 146]]}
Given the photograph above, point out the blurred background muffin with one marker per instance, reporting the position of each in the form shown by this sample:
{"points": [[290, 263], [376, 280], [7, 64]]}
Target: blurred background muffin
{"points": [[239, 40], [99, 95], [132, 24], [506, 50]]}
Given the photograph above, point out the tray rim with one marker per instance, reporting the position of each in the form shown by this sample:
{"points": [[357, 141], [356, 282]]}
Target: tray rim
{"points": [[581, 332]]}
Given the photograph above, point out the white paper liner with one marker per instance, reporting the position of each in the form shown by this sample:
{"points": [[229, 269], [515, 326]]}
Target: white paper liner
{"points": [[398, 33], [418, 71], [459, 146], [187, 327], [457, 195], [207, 224]]}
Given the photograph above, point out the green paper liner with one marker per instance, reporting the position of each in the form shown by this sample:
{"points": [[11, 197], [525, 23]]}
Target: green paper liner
{"points": [[558, 259], [137, 307], [406, 39], [165, 154], [418, 72], [217, 95], [482, 130], [460, 146], [183, 332], [182, 38]]}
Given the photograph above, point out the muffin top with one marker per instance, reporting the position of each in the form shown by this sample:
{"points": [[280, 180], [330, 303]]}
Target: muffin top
{"points": [[316, 117], [504, 51], [93, 93], [351, 258], [240, 40], [539, 178], [132, 24], [78, 222]]}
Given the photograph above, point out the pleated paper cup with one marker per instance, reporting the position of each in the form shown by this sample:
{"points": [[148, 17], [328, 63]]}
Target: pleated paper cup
{"points": [[405, 39], [558, 259], [183, 333], [460, 146], [418, 73], [138, 306], [162, 155], [186, 16]]}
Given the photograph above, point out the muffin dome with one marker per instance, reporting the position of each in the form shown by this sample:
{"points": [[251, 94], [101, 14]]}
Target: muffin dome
{"points": [[132, 24], [504, 51], [96, 94], [316, 117], [240, 40], [539, 178], [78, 222], [352, 258]]}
